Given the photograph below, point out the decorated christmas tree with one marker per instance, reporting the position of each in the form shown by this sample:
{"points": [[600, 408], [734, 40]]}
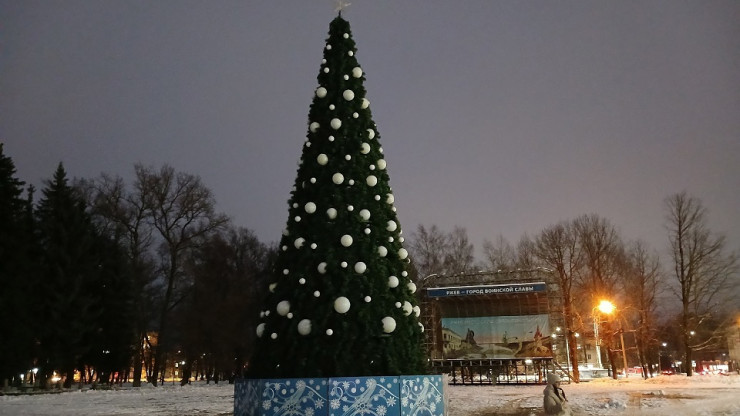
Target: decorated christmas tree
{"points": [[341, 301]]}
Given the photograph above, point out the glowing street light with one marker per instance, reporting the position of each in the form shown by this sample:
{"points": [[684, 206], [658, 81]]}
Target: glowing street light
{"points": [[606, 307]]}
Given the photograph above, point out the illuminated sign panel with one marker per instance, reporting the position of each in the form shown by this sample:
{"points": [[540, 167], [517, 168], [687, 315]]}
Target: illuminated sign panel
{"points": [[438, 292], [501, 321]]}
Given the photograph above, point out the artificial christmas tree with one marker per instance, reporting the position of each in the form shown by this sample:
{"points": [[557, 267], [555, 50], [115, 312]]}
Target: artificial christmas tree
{"points": [[341, 302], [339, 331]]}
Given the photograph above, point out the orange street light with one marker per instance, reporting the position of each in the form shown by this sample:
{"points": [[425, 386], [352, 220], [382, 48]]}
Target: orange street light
{"points": [[606, 307]]}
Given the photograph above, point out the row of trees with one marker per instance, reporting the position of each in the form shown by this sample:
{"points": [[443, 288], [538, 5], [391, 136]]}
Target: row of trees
{"points": [[696, 292], [96, 267]]}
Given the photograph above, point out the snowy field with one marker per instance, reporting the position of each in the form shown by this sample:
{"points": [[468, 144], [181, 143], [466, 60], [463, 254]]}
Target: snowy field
{"points": [[664, 395]]}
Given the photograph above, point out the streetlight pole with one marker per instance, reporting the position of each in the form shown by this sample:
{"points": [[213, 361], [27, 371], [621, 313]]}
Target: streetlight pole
{"points": [[624, 356], [597, 341]]}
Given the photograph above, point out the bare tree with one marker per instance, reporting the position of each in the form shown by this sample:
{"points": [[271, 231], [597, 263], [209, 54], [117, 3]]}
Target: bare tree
{"points": [[603, 252], [525, 254], [499, 255], [603, 255], [643, 282], [428, 248], [181, 209], [123, 214], [557, 248], [460, 255], [701, 268]]}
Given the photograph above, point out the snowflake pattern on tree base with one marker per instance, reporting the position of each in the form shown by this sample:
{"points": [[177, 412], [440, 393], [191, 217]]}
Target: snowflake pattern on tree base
{"points": [[415, 395]]}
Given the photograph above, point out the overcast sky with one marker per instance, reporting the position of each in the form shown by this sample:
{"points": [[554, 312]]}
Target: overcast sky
{"points": [[503, 117]]}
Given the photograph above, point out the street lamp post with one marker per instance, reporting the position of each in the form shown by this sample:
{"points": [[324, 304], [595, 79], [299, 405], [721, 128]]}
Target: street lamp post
{"points": [[607, 308]]}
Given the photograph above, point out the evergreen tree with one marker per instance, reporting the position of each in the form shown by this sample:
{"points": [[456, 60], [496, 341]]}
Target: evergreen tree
{"points": [[341, 302], [69, 270], [16, 295]]}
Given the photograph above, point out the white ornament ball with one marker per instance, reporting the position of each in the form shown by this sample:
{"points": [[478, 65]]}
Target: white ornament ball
{"points": [[404, 273], [298, 243], [407, 308], [367, 231], [347, 157], [336, 123], [343, 264], [286, 271], [377, 197], [346, 240], [371, 180], [346, 77], [382, 251], [357, 72], [360, 267], [331, 107], [381, 164], [370, 134], [389, 324], [412, 287], [365, 103], [313, 180], [398, 304], [354, 115], [297, 218], [364, 214], [392, 226], [351, 182], [289, 315], [392, 281], [260, 329], [313, 246], [322, 267], [322, 159], [328, 47], [302, 281], [368, 299], [341, 304], [304, 327], [329, 332], [348, 95], [331, 138], [346, 35], [417, 311], [331, 213], [321, 92], [364, 148], [272, 287], [313, 127], [337, 178], [390, 199], [316, 294], [402, 253], [273, 335], [350, 208], [310, 207], [421, 326], [283, 307], [350, 53]]}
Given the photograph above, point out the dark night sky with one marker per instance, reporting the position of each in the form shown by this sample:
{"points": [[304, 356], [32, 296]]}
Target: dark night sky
{"points": [[502, 117]]}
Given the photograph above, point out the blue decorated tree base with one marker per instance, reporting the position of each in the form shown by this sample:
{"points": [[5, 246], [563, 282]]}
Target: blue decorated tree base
{"points": [[421, 395]]}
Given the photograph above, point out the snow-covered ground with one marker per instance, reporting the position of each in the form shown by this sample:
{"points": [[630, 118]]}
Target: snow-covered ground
{"points": [[664, 395]]}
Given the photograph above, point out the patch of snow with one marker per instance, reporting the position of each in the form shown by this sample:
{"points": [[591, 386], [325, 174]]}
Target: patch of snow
{"points": [[660, 396]]}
